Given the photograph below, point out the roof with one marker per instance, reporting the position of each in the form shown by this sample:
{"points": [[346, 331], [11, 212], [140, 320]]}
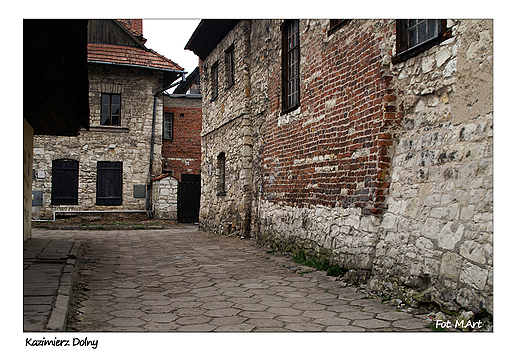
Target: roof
{"points": [[192, 78], [55, 77], [130, 56], [207, 36]]}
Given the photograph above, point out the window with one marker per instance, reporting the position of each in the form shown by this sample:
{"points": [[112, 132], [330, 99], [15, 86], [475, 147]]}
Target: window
{"points": [[415, 36], [335, 25], [64, 182], [290, 65], [110, 109], [168, 126], [214, 81], [109, 183], [221, 174], [229, 57]]}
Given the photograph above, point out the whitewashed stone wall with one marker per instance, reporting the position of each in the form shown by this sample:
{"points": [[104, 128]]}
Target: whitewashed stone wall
{"points": [[164, 198], [128, 143], [437, 235]]}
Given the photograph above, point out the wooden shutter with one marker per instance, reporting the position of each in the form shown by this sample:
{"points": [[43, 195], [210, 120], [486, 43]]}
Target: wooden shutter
{"points": [[64, 182], [109, 183]]}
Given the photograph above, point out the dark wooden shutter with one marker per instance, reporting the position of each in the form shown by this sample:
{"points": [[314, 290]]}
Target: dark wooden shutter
{"points": [[109, 183], [64, 182]]}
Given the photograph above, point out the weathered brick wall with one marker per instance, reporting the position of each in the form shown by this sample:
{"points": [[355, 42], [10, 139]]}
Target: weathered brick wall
{"points": [[182, 153], [129, 143]]}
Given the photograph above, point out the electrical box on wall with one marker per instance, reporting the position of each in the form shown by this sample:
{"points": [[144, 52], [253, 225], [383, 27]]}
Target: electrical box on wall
{"points": [[140, 191], [37, 198]]}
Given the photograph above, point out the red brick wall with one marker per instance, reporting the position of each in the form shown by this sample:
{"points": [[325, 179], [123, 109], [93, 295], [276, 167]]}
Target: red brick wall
{"points": [[182, 153], [336, 152]]}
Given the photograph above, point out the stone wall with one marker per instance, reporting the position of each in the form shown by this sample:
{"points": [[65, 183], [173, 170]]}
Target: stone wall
{"points": [[437, 234], [128, 143], [226, 129], [28, 133], [385, 168], [164, 198]]}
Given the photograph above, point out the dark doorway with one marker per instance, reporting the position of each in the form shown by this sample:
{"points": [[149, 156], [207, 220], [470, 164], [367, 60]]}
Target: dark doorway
{"points": [[188, 198]]}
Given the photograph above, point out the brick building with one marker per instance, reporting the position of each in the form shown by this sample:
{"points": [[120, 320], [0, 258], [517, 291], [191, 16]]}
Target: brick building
{"points": [[368, 142], [110, 167]]}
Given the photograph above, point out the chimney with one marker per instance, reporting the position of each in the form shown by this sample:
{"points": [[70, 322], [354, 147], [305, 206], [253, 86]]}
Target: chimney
{"points": [[137, 26]]}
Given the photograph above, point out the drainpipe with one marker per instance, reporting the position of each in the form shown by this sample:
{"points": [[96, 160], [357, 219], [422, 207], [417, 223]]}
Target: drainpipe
{"points": [[152, 143]]}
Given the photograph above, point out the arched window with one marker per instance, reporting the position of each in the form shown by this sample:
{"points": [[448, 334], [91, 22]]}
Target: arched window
{"points": [[221, 174]]}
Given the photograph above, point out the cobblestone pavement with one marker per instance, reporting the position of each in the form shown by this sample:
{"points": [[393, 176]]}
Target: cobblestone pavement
{"points": [[185, 280]]}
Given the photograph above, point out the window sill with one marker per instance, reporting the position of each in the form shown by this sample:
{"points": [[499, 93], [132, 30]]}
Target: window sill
{"points": [[115, 129], [293, 108]]}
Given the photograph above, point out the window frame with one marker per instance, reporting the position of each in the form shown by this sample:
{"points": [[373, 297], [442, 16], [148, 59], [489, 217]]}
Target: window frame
{"points": [[286, 64], [168, 118], [110, 119], [336, 24], [229, 61], [214, 81], [61, 193], [404, 51]]}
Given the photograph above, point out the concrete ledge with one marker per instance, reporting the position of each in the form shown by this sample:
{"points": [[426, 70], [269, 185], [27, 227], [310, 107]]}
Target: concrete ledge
{"points": [[60, 309]]}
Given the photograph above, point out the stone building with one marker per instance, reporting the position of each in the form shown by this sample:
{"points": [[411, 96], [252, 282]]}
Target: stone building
{"points": [[368, 142], [110, 167]]}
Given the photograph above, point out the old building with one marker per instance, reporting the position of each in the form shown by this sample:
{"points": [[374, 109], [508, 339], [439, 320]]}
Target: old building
{"points": [[111, 166], [368, 142]]}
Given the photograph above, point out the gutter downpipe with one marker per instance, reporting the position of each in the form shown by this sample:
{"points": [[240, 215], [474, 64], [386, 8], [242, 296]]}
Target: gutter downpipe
{"points": [[149, 206]]}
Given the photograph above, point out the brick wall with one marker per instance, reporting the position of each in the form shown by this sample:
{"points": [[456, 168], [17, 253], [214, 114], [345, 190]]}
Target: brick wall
{"points": [[334, 150], [182, 153]]}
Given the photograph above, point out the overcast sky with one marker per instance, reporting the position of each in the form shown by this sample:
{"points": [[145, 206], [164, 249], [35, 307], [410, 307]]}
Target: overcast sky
{"points": [[168, 37]]}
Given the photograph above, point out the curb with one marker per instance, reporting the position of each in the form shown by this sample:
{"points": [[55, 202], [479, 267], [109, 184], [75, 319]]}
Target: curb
{"points": [[60, 309]]}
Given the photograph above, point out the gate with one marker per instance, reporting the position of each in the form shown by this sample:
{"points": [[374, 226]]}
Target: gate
{"points": [[188, 198]]}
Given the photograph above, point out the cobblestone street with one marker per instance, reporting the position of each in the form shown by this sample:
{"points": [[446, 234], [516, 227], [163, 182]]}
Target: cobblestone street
{"points": [[185, 280]]}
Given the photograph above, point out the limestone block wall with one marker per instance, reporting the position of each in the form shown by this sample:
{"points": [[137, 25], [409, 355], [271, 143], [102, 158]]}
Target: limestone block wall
{"points": [[226, 130], [128, 143], [164, 198], [437, 234]]}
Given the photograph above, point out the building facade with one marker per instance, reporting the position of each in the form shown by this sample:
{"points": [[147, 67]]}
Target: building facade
{"points": [[110, 167], [368, 142]]}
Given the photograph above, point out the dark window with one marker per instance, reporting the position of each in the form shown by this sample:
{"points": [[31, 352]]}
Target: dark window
{"points": [[415, 36], [64, 182], [230, 66], [221, 174], [109, 183], [110, 109], [214, 81], [290, 65], [335, 25], [168, 126]]}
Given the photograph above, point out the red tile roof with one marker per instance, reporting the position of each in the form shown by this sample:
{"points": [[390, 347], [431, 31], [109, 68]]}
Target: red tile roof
{"points": [[126, 55]]}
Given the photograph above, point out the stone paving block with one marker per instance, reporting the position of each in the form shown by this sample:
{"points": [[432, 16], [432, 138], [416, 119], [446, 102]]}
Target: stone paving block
{"points": [[371, 323], [305, 327], [199, 282], [126, 322], [409, 324]]}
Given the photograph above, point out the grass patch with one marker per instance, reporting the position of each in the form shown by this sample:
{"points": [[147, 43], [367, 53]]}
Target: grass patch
{"points": [[322, 264]]}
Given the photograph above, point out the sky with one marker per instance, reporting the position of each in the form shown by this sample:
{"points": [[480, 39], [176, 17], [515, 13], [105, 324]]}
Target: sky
{"points": [[168, 38]]}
